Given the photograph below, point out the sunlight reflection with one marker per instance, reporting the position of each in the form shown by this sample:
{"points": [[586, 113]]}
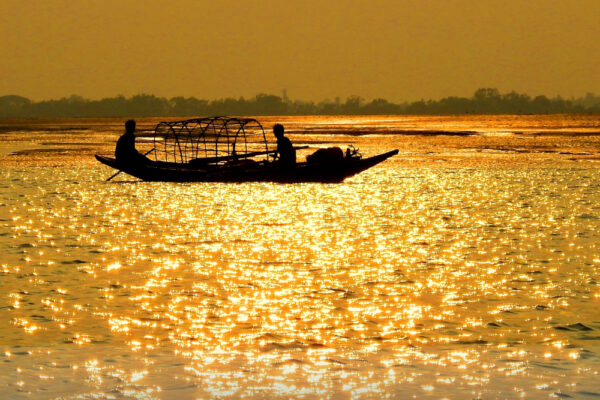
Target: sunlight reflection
{"points": [[428, 278]]}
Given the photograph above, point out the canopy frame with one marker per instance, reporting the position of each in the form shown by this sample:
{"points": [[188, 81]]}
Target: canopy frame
{"points": [[218, 139]]}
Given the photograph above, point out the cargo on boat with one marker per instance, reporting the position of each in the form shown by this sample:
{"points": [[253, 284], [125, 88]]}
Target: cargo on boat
{"points": [[223, 149]]}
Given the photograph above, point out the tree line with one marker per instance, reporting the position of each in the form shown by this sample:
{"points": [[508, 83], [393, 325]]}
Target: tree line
{"points": [[483, 101]]}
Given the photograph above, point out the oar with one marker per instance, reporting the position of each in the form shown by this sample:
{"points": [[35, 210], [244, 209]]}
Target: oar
{"points": [[212, 160], [122, 171]]}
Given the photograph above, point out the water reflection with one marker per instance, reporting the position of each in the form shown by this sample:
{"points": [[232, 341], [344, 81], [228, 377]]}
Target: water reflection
{"points": [[434, 282]]}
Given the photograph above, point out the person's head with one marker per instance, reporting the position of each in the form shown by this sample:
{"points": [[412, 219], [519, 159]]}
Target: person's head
{"points": [[130, 126], [278, 130]]}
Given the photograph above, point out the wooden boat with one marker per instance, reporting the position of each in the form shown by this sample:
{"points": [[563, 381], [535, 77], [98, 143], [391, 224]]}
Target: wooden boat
{"points": [[221, 149]]}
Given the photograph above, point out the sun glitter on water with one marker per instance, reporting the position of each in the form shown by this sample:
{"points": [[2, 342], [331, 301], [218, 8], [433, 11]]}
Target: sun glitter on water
{"points": [[429, 281]]}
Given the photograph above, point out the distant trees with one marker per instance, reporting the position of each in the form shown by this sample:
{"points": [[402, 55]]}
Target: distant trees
{"points": [[483, 101], [12, 105], [490, 101]]}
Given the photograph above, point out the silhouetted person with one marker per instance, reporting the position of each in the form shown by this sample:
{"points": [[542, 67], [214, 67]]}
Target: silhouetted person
{"points": [[126, 152], [285, 151]]}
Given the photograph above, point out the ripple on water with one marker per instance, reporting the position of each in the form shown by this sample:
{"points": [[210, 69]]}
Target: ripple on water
{"points": [[443, 281]]}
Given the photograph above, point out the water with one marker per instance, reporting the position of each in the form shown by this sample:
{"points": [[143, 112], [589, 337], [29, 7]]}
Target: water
{"points": [[465, 267]]}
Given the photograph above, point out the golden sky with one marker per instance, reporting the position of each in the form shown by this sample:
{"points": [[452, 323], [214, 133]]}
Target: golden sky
{"points": [[316, 49]]}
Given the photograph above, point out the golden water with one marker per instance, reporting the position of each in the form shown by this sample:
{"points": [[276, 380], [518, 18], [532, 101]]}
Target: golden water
{"points": [[465, 267]]}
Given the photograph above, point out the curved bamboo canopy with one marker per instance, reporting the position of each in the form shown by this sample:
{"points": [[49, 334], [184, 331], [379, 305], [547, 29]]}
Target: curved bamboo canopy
{"points": [[211, 139]]}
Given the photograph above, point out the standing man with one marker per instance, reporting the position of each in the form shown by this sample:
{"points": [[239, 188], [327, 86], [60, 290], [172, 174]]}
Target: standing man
{"points": [[285, 151]]}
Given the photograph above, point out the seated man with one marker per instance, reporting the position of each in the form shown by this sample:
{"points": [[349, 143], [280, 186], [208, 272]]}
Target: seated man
{"points": [[126, 152], [285, 151]]}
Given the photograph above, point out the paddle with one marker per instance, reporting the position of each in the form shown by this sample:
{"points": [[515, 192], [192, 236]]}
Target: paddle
{"points": [[213, 160], [122, 171]]}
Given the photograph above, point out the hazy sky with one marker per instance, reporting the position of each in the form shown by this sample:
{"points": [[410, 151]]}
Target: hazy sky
{"points": [[316, 49]]}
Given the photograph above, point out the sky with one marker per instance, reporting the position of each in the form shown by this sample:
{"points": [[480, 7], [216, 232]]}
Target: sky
{"points": [[400, 50]]}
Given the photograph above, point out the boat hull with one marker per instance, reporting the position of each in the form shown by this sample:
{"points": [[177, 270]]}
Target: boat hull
{"points": [[303, 172]]}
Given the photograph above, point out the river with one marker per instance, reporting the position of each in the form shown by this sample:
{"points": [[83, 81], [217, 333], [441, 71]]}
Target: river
{"points": [[464, 267]]}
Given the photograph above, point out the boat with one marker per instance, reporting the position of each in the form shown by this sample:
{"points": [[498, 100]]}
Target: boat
{"points": [[225, 149]]}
